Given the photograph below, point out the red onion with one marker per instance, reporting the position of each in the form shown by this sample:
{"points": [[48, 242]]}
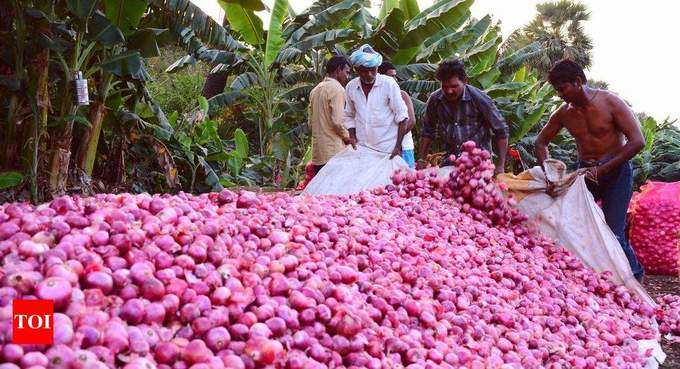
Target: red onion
{"points": [[195, 352], [99, 280], [166, 352], [264, 351], [12, 353], [133, 311], [277, 326], [34, 359], [63, 329], [90, 336], [60, 357], [152, 289], [116, 337], [217, 338], [425, 273], [56, 289], [233, 362], [655, 227]]}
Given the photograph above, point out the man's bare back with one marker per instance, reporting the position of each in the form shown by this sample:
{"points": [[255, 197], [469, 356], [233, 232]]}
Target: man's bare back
{"points": [[594, 127]]}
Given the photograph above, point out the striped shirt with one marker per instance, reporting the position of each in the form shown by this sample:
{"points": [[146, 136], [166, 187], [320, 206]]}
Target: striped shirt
{"points": [[474, 117]]}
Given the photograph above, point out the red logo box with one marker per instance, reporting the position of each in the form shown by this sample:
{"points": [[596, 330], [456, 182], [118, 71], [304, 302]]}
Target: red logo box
{"points": [[33, 322]]}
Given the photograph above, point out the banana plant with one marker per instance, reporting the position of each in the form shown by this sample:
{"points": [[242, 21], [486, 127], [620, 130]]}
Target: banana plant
{"points": [[660, 158], [203, 154], [109, 49], [106, 40], [273, 92]]}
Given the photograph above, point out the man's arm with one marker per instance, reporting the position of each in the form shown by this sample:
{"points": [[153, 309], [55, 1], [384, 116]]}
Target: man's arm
{"points": [[403, 126], [353, 137], [349, 121], [502, 149], [498, 126], [428, 131], [409, 108], [337, 105], [423, 149], [309, 115], [626, 122], [551, 129], [400, 110]]}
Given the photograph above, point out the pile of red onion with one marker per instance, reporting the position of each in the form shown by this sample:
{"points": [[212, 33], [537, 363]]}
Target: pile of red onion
{"points": [[655, 227], [424, 273], [668, 314]]}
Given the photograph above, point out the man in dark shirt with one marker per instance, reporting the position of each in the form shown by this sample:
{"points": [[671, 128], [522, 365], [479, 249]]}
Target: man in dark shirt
{"points": [[461, 112]]}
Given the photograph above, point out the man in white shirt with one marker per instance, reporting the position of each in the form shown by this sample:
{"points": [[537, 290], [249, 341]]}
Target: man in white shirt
{"points": [[375, 113], [407, 145]]}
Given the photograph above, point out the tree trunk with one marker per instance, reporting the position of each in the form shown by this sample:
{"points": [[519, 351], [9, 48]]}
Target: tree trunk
{"points": [[61, 157], [87, 151], [10, 144], [118, 162], [11, 147], [41, 65]]}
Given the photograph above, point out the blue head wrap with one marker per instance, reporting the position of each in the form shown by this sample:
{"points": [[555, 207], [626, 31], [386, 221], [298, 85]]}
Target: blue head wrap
{"points": [[366, 57]]}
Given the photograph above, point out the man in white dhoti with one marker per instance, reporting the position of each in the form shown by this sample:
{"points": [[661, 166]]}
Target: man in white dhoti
{"points": [[375, 113]]}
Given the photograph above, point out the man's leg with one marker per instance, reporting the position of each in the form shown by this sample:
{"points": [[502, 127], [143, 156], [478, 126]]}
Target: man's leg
{"points": [[616, 190]]}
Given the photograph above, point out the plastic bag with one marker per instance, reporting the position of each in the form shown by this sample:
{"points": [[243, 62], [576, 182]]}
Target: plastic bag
{"points": [[573, 219], [352, 171], [654, 219]]}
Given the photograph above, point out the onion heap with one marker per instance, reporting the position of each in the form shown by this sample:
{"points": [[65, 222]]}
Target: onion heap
{"points": [[424, 273], [655, 227], [668, 314]]}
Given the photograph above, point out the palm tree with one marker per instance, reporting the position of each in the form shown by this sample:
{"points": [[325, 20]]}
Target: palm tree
{"points": [[558, 28]]}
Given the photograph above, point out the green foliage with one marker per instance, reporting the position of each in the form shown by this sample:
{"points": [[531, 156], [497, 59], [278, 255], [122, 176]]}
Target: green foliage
{"points": [[10, 179], [244, 21], [558, 28], [177, 91], [275, 35], [125, 14], [158, 133], [660, 159]]}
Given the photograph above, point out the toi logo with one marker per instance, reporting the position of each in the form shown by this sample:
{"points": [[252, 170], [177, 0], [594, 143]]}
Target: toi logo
{"points": [[33, 322]]}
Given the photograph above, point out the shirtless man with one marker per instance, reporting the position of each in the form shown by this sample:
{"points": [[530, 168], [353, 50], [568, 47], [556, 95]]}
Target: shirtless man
{"points": [[607, 135]]}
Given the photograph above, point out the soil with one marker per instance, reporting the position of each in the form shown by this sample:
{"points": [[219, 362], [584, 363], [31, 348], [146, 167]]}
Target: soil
{"points": [[659, 286]]}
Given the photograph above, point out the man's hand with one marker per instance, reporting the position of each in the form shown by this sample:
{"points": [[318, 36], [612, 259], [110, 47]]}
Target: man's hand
{"points": [[592, 173], [550, 189], [395, 152], [353, 142], [353, 137], [350, 141]]}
